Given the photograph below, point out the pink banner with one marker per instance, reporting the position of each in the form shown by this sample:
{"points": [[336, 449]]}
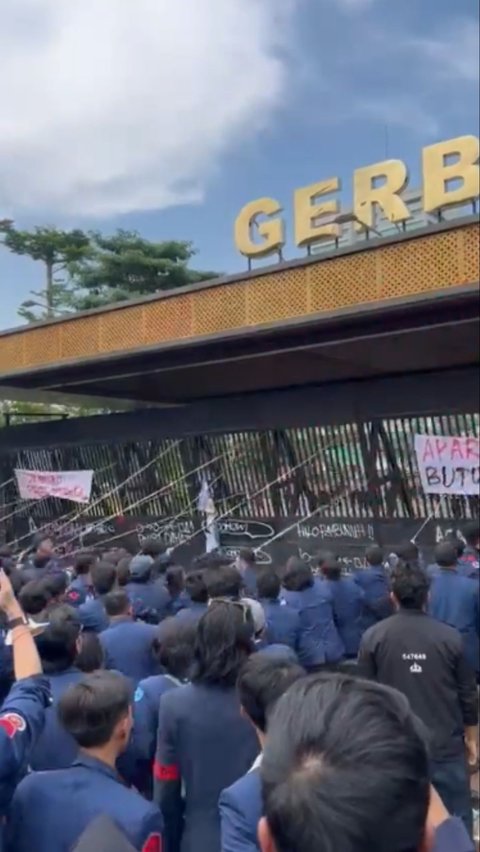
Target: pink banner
{"points": [[75, 485]]}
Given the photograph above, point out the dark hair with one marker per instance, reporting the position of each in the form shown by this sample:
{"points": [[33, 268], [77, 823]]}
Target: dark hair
{"points": [[175, 580], [83, 562], [103, 576], [262, 680], [116, 603], [331, 569], [90, 657], [345, 767], [458, 544], [56, 584], [471, 533], [196, 587], [223, 582], [91, 709], [34, 597], [212, 560], [123, 570], [407, 551], [173, 647], [374, 555], [410, 585], [57, 645], [39, 539], [152, 547], [298, 575], [268, 585], [223, 642], [321, 557], [246, 554], [446, 554]]}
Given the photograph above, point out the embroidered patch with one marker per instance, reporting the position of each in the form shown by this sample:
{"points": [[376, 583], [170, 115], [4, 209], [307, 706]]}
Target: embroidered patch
{"points": [[139, 694], [12, 724]]}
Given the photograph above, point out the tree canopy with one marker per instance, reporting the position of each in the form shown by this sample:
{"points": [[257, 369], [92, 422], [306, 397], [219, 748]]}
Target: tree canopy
{"points": [[98, 270]]}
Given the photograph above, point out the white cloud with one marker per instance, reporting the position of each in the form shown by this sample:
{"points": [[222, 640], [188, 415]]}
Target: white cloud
{"points": [[404, 112], [454, 53], [108, 106]]}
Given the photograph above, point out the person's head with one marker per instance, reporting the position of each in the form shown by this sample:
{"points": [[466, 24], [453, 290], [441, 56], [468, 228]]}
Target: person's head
{"points": [[458, 544], [173, 647], [407, 551], [261, 682], [446, 554], [258, 616], [331, 569], [59, 643], [175, 580], [56, 584], [42, 549], [374, 556], [104, 577], [141, 569], [268, 585], [245, 559], [223, 642], [471, 534], [298, 575], [322, 557], [409, 585], [123, 571], [90, 655], [97, 712], [224, 582], [84, 562], [345, 768], [196, 587], [117, 605], [153, 548], [34, 597]]}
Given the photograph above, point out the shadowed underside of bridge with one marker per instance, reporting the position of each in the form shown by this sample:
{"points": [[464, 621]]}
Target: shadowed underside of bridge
{"points": [[366, 322]]}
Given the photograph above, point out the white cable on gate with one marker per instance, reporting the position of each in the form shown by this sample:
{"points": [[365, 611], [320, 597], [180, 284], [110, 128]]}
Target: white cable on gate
{"points": [[301, 520], [7, 482], [260, 491], [150, 497]]}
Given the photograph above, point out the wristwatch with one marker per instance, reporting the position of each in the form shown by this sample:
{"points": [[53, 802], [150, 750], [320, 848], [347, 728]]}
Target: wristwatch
{"points": [[20, 621]]}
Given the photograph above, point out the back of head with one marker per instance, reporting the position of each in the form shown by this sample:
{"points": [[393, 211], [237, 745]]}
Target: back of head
{"points": [[141, 569], [410, 586], [103, 576], [196, 587], [446, 554], [58, 644], [407, 551], [247, 556], [374, 555], [223, 642], [56, 584], [298, 575], [90, 656], [175, 580], [331, 569], [117, 603], [262, 680], [153, 548], [97, 709], [471, 533], [323, 556], [345, 769], [223, 582], [84, 562], [34, 597], [173, 647], [268, 585], [123, 571]]}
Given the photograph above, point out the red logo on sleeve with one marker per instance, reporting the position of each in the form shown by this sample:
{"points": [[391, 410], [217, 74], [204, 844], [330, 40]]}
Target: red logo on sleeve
{"points": [[153, 844], [12, 724], [165, 773]]}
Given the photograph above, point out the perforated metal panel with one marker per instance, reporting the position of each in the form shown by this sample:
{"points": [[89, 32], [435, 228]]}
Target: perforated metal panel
{"points": [[431, 262]]}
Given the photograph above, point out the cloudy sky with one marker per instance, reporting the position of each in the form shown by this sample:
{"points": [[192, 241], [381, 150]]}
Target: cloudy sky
{"points": [[168, 117]]}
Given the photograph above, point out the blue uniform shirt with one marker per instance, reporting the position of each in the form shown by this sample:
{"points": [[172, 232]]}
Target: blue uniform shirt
{"points": [[454, 600], [282, 623], [240, 812], [377, 605], [22, 717], [452, 836], [319, 641], [153, 596], [55, 748], [51, 810], [192, 613], [204, 741], [347, 599], [127, 646], [78, 592]]}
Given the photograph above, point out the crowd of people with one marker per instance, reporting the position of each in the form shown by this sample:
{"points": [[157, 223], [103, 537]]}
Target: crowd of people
{"points": [[232, 708]]}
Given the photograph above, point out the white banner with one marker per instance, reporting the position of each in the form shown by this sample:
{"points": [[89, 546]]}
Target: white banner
{"points": [[75, 485], [448, 465]]}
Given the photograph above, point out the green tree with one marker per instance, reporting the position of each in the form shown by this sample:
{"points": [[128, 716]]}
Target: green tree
{"points": [[127, 266], [58, 250]]}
